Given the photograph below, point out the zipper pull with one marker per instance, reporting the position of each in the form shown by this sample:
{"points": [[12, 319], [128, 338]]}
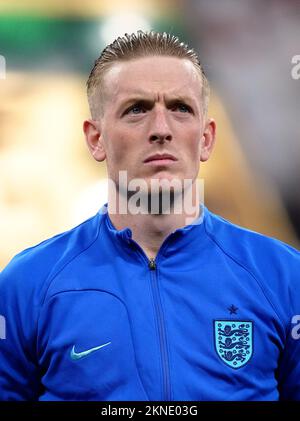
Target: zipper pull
{"points": [[152, 264]]}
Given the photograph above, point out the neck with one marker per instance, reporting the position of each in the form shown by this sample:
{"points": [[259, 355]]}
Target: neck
{"points": [[149, 230]]}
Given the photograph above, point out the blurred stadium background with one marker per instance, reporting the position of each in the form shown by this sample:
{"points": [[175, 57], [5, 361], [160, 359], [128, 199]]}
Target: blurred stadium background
{"points": [[49, 182]]}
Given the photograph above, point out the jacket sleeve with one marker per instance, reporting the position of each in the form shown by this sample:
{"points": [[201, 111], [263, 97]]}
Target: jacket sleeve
{"points": [[289, 364], [19, 378]]}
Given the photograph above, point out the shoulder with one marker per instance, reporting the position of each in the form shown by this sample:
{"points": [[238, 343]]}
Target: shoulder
{"points": [[273, 264], [247, 245], [34, 266]]}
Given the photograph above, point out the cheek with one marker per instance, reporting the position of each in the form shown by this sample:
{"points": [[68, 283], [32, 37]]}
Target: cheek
{"points": [[193, 146], [125, 155], [117, 146]]}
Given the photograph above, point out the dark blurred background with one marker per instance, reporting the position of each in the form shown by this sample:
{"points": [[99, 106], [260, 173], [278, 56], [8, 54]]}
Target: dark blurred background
{"points": [[49, 182]]}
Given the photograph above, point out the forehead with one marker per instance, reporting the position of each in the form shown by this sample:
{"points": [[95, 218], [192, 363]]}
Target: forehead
{"points": [[153, 75]]}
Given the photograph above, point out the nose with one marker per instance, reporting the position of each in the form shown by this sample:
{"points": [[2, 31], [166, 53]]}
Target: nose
{"points": [[160, 130]]}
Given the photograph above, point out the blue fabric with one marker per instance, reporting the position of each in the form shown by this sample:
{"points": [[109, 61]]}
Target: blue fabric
{"points": [[87, 318]]}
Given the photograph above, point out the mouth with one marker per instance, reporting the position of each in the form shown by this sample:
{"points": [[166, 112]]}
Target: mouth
{"points": [[160, 159]]}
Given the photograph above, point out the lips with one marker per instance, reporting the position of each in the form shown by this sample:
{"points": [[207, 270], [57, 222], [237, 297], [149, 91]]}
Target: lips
{"points": [[160, 157]]}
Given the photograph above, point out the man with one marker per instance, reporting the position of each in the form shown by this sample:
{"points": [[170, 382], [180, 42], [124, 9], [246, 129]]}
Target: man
{"points": [[151, 305]]}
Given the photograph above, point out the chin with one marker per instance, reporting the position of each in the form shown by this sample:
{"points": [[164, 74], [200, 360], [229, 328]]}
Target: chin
{"points": [[165, 184]]}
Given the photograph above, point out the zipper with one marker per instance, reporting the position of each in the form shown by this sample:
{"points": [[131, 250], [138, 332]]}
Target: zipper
{"points": [[152, 265], [162, 331]]}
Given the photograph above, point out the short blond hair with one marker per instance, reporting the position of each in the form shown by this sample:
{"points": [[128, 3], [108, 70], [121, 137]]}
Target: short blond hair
{"points": [[138, 45]]}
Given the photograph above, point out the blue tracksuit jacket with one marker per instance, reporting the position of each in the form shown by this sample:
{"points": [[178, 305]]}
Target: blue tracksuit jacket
{"points": [[87, 316]]}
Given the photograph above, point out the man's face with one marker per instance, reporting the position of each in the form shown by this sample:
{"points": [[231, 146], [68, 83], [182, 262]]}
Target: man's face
{"points": [[153, 106]]}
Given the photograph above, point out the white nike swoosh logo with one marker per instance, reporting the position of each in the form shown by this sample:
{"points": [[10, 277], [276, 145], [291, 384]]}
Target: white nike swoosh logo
{"points": [[78, 355]]}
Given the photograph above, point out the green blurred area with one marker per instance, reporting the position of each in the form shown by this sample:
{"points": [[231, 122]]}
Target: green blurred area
{"points": [[41, 43], [33, 42]]}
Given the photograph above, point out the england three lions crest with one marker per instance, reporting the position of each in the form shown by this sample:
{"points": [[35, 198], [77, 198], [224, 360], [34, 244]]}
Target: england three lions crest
{"points": [[234, 341]]}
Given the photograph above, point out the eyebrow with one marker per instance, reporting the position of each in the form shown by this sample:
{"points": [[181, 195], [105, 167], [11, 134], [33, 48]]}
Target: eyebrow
{"points": [[137, 99], [142, 99]]}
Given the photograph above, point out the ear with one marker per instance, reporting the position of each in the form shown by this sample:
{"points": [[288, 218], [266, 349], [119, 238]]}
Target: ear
{"points": [[208, 139], [92, 131]]}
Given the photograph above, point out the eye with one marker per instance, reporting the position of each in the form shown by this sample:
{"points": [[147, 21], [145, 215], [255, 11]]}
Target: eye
{"points": [[183, 108], [135, 109]]}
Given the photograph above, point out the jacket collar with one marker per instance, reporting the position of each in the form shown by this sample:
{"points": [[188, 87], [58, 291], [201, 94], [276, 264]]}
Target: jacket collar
{"points": [[179, 238]]}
